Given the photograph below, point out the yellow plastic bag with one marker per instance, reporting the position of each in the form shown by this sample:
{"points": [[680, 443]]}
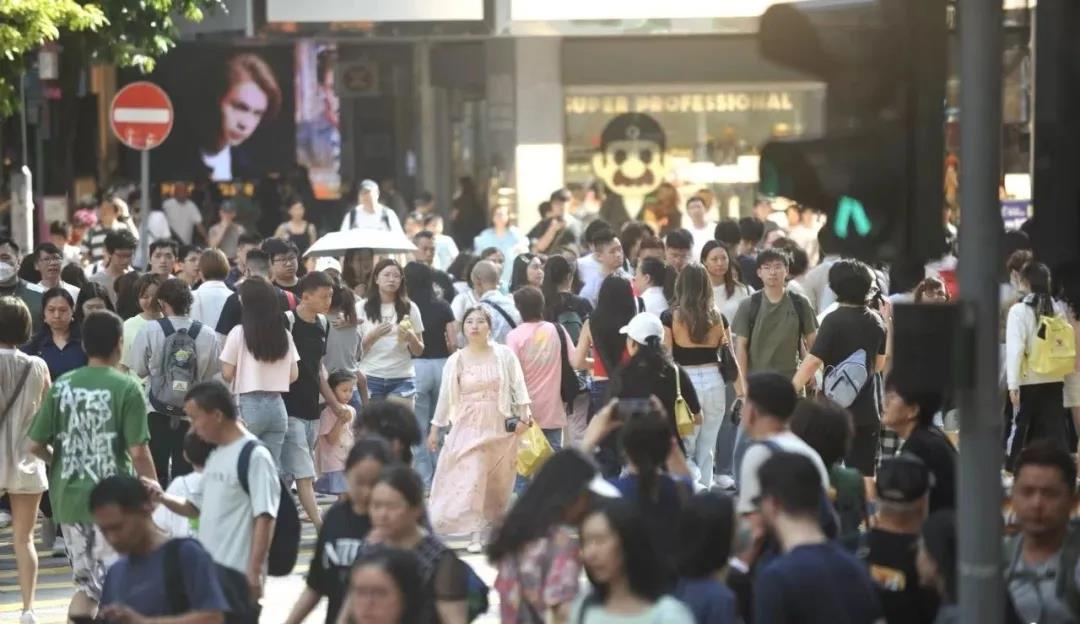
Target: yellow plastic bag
{"points": [[533, 450]]}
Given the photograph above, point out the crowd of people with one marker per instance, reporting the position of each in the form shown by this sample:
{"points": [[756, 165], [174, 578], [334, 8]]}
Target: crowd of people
{"points": [[724, 434]]}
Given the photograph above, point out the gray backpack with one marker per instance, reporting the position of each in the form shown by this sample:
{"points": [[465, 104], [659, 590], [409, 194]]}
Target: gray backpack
{"points": [[845, 381], [179, 369]]}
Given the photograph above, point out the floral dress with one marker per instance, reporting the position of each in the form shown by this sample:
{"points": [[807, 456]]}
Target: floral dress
{"points": [[475, 475], [545, 573]]}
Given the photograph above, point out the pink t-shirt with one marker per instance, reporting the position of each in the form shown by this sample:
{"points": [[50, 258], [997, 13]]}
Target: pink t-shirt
{"points": [[536, 346], [251, 374], [331, 457]]}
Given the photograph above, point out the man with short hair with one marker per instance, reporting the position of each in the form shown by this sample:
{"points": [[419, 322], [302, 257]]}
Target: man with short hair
{"points": [[150, 356], [137, 585], [608, 252], [235, 523], [1041, 559], [773, 327], [284, 263], [91, 424], [93, 242], [556, 228], [425, 254], [183, 215], [310, 330], [813, 580], [50, 261], [770, 401], [246, 243], [677, 249], [163, 255], [225, 234], [702, 227], [504, 314], [13, 285], [257, 265], [119, 250], [188, 265], [369, 214], [888, 549]]}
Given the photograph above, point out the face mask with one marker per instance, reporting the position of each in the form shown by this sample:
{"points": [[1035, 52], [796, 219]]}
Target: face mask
{"points": [[7, 272]]}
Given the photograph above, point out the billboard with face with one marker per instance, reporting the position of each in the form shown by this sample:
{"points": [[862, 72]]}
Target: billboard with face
{"points": [[233, 112]]}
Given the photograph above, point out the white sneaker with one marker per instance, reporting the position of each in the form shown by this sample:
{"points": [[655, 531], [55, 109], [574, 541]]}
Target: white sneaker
{"points": [[28, 617], [5, 519], [723, 482], [475, 546], [59, 548]]}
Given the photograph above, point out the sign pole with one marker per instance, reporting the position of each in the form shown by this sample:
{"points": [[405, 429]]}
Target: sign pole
{"points": [[144, 188]]}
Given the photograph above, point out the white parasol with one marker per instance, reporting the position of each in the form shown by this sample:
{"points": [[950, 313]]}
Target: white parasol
{"points": [[378, 241]]}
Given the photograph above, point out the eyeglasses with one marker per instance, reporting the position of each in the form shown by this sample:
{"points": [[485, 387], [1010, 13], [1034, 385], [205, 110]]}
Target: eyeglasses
{"points": [[286, 260]]}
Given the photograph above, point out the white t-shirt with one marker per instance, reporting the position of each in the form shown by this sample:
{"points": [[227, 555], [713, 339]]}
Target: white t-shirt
{"points": [[591, 276], [226, 513], [183, 217], [71, 290], [755, 456], [382, 218], [172, 523], [655, 302], [208, 301], [253, 375], [701, 235], [388, 357]]}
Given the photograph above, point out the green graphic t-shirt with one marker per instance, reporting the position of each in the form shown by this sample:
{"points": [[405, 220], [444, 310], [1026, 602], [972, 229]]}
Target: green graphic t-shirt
{"points": [[91, 417]]}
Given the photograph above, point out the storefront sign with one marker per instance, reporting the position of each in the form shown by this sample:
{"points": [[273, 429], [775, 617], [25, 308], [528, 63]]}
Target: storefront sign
{"points": [[374, 11], [722, 102], [560, 10]]}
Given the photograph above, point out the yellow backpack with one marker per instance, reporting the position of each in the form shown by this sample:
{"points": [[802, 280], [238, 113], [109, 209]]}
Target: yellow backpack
{"points": [[1054, 351]]}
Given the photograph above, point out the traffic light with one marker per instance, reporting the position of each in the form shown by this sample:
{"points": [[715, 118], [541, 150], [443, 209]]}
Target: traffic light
{"points": [[877, 172]]}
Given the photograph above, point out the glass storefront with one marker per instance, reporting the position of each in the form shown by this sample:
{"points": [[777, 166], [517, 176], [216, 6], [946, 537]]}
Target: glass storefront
{"points": [[712, 132]]}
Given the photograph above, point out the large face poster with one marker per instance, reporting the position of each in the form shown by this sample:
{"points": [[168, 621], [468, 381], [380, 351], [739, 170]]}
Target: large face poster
{"points": [[234, 113], [318, 109]]}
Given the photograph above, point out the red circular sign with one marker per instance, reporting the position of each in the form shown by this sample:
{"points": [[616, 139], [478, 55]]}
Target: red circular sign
{"points": [[141, 115]]}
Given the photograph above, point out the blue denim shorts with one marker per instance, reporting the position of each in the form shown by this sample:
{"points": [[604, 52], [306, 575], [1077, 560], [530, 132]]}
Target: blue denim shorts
{"points": [[381, 388]]}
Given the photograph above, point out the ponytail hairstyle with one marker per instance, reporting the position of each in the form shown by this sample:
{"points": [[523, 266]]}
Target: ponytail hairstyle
{"points": [[1037, 275], [556, 271], [645, 440], [345, 300]]}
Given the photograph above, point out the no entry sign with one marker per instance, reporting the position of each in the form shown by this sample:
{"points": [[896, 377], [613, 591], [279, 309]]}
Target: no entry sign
{"points": [[141, 115]]}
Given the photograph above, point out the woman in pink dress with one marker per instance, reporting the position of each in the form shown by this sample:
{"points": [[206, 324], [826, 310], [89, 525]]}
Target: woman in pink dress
{"points": [[483, 389]]}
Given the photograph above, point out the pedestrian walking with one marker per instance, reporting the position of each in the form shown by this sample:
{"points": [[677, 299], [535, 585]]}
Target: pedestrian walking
{"points": [[440, 340], [119, 250], [911, 415], [345, 527], [649, 284], [507, 238], [937, 564], [536, 549], [211, 295], [91, 425], [625, 575], [706, 531], [391, 331], [260, 361], [297, 229], [570, 312], [144, 290], [175, 353], [602, 338], [59, 342], [369, 213], [504, 314], [484, 400], [392, 578], [335, 437], [196, 452], [24, 381], [343, 348], [92, 298]]}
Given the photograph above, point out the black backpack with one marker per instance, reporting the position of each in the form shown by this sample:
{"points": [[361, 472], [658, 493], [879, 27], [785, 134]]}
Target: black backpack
{"points": [[242, 609], [285, 542]]}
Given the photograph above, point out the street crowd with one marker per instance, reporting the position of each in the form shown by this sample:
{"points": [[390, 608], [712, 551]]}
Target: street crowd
{"points": [[666, 419]]}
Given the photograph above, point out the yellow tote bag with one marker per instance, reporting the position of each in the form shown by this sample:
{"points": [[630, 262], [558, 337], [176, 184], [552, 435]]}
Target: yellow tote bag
{"points": [[533, 450]]}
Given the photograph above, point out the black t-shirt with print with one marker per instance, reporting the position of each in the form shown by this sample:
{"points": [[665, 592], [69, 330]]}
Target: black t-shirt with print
{"points": [[890, 558], [931, 445], [302, 400], [340, 540], [844, 331]]}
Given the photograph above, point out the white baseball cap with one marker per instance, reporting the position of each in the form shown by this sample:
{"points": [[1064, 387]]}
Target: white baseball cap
{"points": [[642, 326], [327, 262]]}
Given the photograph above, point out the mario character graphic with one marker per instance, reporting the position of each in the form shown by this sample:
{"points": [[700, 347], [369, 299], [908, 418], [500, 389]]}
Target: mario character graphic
{"points": [[632, 160]]}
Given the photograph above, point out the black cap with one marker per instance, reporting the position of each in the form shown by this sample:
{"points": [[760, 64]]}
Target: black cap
{"points": [[903, 479]]}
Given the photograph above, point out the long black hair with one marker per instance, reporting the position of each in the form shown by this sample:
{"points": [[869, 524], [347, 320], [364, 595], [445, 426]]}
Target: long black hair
{"points": [[731, 279], [615, 307], [706, 531], [560, 482], [92, 290], [373, 305], [1037, 275], [265, 335], [645, 440], [404, 568], [651, 357], [519, 272], [461, 266], [345, 300], [557, 270], [642, 565]]}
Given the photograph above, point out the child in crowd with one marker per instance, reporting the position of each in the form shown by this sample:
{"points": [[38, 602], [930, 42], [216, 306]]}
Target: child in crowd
{"points": [[335, 437], [196, 450]]}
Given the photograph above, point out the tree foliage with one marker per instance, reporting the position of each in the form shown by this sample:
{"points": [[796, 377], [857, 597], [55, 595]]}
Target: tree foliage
{"points": [[125, 32]]}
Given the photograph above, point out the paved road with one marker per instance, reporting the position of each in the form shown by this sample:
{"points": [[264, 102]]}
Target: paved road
{"points": [[54, 584]]}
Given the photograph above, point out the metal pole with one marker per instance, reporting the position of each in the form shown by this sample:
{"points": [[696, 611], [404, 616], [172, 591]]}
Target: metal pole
{"points": [[144, 211], [979, 504]]}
